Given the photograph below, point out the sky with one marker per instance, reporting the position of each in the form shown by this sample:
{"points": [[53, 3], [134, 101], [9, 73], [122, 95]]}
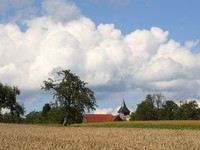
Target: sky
{"points": [[124, 49]]}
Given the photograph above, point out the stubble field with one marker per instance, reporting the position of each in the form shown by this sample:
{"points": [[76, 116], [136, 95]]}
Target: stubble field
{"points": [[39, 137]]}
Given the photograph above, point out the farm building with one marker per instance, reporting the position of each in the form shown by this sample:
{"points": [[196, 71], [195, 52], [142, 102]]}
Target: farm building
{"points": [[124, 115], [95, 118]]}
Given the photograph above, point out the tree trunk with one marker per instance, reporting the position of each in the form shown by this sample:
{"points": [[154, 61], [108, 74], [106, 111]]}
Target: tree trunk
{"points": [[65, 121]]}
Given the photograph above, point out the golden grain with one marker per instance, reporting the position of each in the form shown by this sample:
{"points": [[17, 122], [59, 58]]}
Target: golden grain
{"points": [[36, 137]]}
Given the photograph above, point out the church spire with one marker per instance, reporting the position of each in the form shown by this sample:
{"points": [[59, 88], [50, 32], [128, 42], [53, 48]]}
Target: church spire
{"points": [[123, 109]]}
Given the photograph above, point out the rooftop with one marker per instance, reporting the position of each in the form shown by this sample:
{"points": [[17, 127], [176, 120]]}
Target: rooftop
{"points": [[123, 109], [95, 118]]}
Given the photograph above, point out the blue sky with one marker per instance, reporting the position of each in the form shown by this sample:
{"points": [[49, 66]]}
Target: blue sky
{"points": [[178, 17], [126, 48]]}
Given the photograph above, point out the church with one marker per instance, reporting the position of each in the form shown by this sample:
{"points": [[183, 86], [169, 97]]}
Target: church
{"points": [[124, 112], [123, 115]]}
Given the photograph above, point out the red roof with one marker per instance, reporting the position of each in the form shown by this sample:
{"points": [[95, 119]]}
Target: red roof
{"points": [[95, 118]]}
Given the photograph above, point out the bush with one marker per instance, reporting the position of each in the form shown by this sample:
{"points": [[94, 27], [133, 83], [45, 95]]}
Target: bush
{"points": [[34, 117], [8, 118]]}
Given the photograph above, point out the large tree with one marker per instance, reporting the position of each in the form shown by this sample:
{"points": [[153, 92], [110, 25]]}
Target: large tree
{"points": [[8, 96], [71, 94], [145, 110], [150, 109]]}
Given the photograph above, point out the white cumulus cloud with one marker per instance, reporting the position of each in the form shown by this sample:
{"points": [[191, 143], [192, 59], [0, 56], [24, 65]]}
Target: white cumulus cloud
{"points": [[107, 111], [100, 54]]}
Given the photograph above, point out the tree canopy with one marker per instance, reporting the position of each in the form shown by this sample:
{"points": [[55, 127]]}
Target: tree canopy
{"points": [[71, 94], [157, 107], [8, 96]]}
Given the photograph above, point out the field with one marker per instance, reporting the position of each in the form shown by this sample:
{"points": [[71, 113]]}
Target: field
{"points": [[186, 124], [41, 137]]}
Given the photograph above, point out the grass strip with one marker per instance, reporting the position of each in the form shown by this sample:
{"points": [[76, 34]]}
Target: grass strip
{"points": [[189, 124]]}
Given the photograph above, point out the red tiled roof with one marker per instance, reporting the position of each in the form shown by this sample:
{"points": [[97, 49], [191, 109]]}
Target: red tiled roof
{"points": [[95, 118]]}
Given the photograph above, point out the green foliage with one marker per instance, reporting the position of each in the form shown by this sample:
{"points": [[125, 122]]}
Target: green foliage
{"points": [[169, 110], [71, 94], [188, 111], [46, 108], [156, 107], [149, 99], [169, 124], [8, 118], [145, 111], [54, 115], [34, 117], [8, 96], [1, 117]]}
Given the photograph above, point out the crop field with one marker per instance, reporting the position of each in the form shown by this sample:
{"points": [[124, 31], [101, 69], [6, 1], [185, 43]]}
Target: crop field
{"points": [[41, 137]]}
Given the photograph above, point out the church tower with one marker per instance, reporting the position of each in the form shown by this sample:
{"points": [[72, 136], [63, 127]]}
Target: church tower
{"points": [[124, 112]]}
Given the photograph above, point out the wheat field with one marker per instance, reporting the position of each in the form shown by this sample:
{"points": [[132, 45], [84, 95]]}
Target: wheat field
{"points": [[40, 137]]}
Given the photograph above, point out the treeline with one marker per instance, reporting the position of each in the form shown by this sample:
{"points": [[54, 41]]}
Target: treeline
{"points": [[72, 98], [157, 107], [51, 114]]}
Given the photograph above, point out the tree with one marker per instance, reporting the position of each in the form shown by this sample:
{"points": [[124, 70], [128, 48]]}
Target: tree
{"points": [[56, 115], [150, 99], [46, 108], [150, 108], [188, 111], [34, 117], [8, 96], [19, 110], [158, 100], [71, 94], [144, 111], [169, 111]]}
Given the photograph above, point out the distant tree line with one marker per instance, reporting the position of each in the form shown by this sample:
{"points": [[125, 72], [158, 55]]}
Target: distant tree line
{"points": [[51, 114], [72, 99], [157, 107]]}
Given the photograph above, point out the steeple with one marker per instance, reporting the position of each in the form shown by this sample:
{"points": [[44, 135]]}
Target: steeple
{"points": [[123, 109]]}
